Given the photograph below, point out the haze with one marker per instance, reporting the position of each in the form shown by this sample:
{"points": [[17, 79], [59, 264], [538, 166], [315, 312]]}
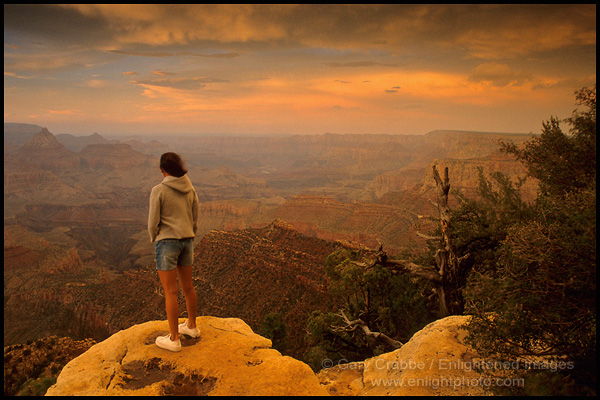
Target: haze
{"points": [[294, 69]]}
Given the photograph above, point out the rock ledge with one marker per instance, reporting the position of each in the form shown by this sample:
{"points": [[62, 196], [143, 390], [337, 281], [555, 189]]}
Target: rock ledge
{"points": [[228, 359]]}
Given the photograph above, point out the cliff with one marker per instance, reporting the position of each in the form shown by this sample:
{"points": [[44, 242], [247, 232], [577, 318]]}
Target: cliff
{"points": [[464, 174], [53, 287], [256, 272], [30, 368], [229, 359]]}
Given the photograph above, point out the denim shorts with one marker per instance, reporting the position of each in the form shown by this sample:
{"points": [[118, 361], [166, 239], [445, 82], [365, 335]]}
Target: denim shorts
{"points": [[170, 253]]}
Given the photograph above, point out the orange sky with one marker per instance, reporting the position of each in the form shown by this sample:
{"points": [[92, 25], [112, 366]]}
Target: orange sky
{"points": [[238, 69]]}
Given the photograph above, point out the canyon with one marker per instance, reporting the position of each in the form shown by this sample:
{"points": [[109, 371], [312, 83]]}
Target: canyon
{"points": [[78, 261]]}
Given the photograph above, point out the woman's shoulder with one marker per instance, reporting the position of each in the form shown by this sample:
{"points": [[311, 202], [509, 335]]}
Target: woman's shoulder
{"points": [[157, 189]]}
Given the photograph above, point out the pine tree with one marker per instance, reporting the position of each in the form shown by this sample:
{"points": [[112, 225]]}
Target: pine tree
{"points": [[540, 299]]}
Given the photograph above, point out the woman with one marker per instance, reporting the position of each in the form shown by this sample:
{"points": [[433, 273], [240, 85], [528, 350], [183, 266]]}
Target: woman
{"points": [[172, 224]]}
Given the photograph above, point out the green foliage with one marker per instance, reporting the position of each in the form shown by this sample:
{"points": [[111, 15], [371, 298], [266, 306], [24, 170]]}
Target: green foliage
{"points": [[387, 303], [274, 328], [36, 387], [564, 163], [480, 225], [536, 296], [543, 301]]}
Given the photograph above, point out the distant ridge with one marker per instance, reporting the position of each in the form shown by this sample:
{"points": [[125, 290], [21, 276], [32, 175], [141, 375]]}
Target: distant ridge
{"points": [[447, 131], [43, 139], [18, 134], [21, 128], [45, 152], [77, 143]]}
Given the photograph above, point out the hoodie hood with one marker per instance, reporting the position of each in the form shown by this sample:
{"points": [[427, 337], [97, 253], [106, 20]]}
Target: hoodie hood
{"points": [[182, 184]]}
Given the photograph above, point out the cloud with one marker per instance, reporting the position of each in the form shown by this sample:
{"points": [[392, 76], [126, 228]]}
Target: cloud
{"points": [[497, 74], [162, 73], [39, 62], [168, 24], [63, 112], [96, 83], [217, 55], [484, 31], [179, 83], [14, 75], [360, 64], [171, 54], [143, 54], [509, 31], [315, 58], [337, 107]]}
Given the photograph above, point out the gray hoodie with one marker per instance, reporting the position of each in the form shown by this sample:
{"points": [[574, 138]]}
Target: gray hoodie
{"points": [[174, 209]]}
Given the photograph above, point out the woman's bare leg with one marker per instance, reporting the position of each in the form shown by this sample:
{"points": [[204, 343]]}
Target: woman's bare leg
{"points": [[168, 279], [191, 299]]}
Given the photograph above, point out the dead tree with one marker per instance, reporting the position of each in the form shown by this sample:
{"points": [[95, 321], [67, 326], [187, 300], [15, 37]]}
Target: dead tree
{"points": [[351, 326], [447, 278], [448, 263]]}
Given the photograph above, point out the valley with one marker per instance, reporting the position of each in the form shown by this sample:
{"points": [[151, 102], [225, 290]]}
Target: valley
{"points": [[77, 257]]}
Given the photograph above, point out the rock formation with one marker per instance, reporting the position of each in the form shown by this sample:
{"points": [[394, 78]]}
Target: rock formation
{"points": [[464, 174], [362, 223], [114, 156], [228, 359], [77, 143], [247, 274], [44, 151], [435, 362], [16, 134]]}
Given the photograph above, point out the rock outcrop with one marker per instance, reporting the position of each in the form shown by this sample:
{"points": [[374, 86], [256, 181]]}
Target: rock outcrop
{"points": [[45, 152], [435, 362], [228, 359]]}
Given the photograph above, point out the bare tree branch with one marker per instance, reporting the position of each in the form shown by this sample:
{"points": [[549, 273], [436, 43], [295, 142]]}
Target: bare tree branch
{"points": [[415, 269], [351, 326], [428, 237]]}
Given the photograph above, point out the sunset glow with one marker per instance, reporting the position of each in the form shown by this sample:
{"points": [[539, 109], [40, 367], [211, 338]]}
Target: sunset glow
{"points": [[294, 69]]}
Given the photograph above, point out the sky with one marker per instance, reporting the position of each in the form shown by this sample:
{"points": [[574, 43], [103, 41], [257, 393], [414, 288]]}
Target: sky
{"points": [[295, 69]]}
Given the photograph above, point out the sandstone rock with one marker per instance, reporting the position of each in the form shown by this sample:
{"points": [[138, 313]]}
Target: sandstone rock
{"points": [[464, 174], [45, 152], [344, 379], [228, 359], [113, 156], [434, 362]]}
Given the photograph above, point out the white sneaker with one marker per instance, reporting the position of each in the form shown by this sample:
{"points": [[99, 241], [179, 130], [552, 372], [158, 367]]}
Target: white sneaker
{"points": [[183, 328], [165, 342]]}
